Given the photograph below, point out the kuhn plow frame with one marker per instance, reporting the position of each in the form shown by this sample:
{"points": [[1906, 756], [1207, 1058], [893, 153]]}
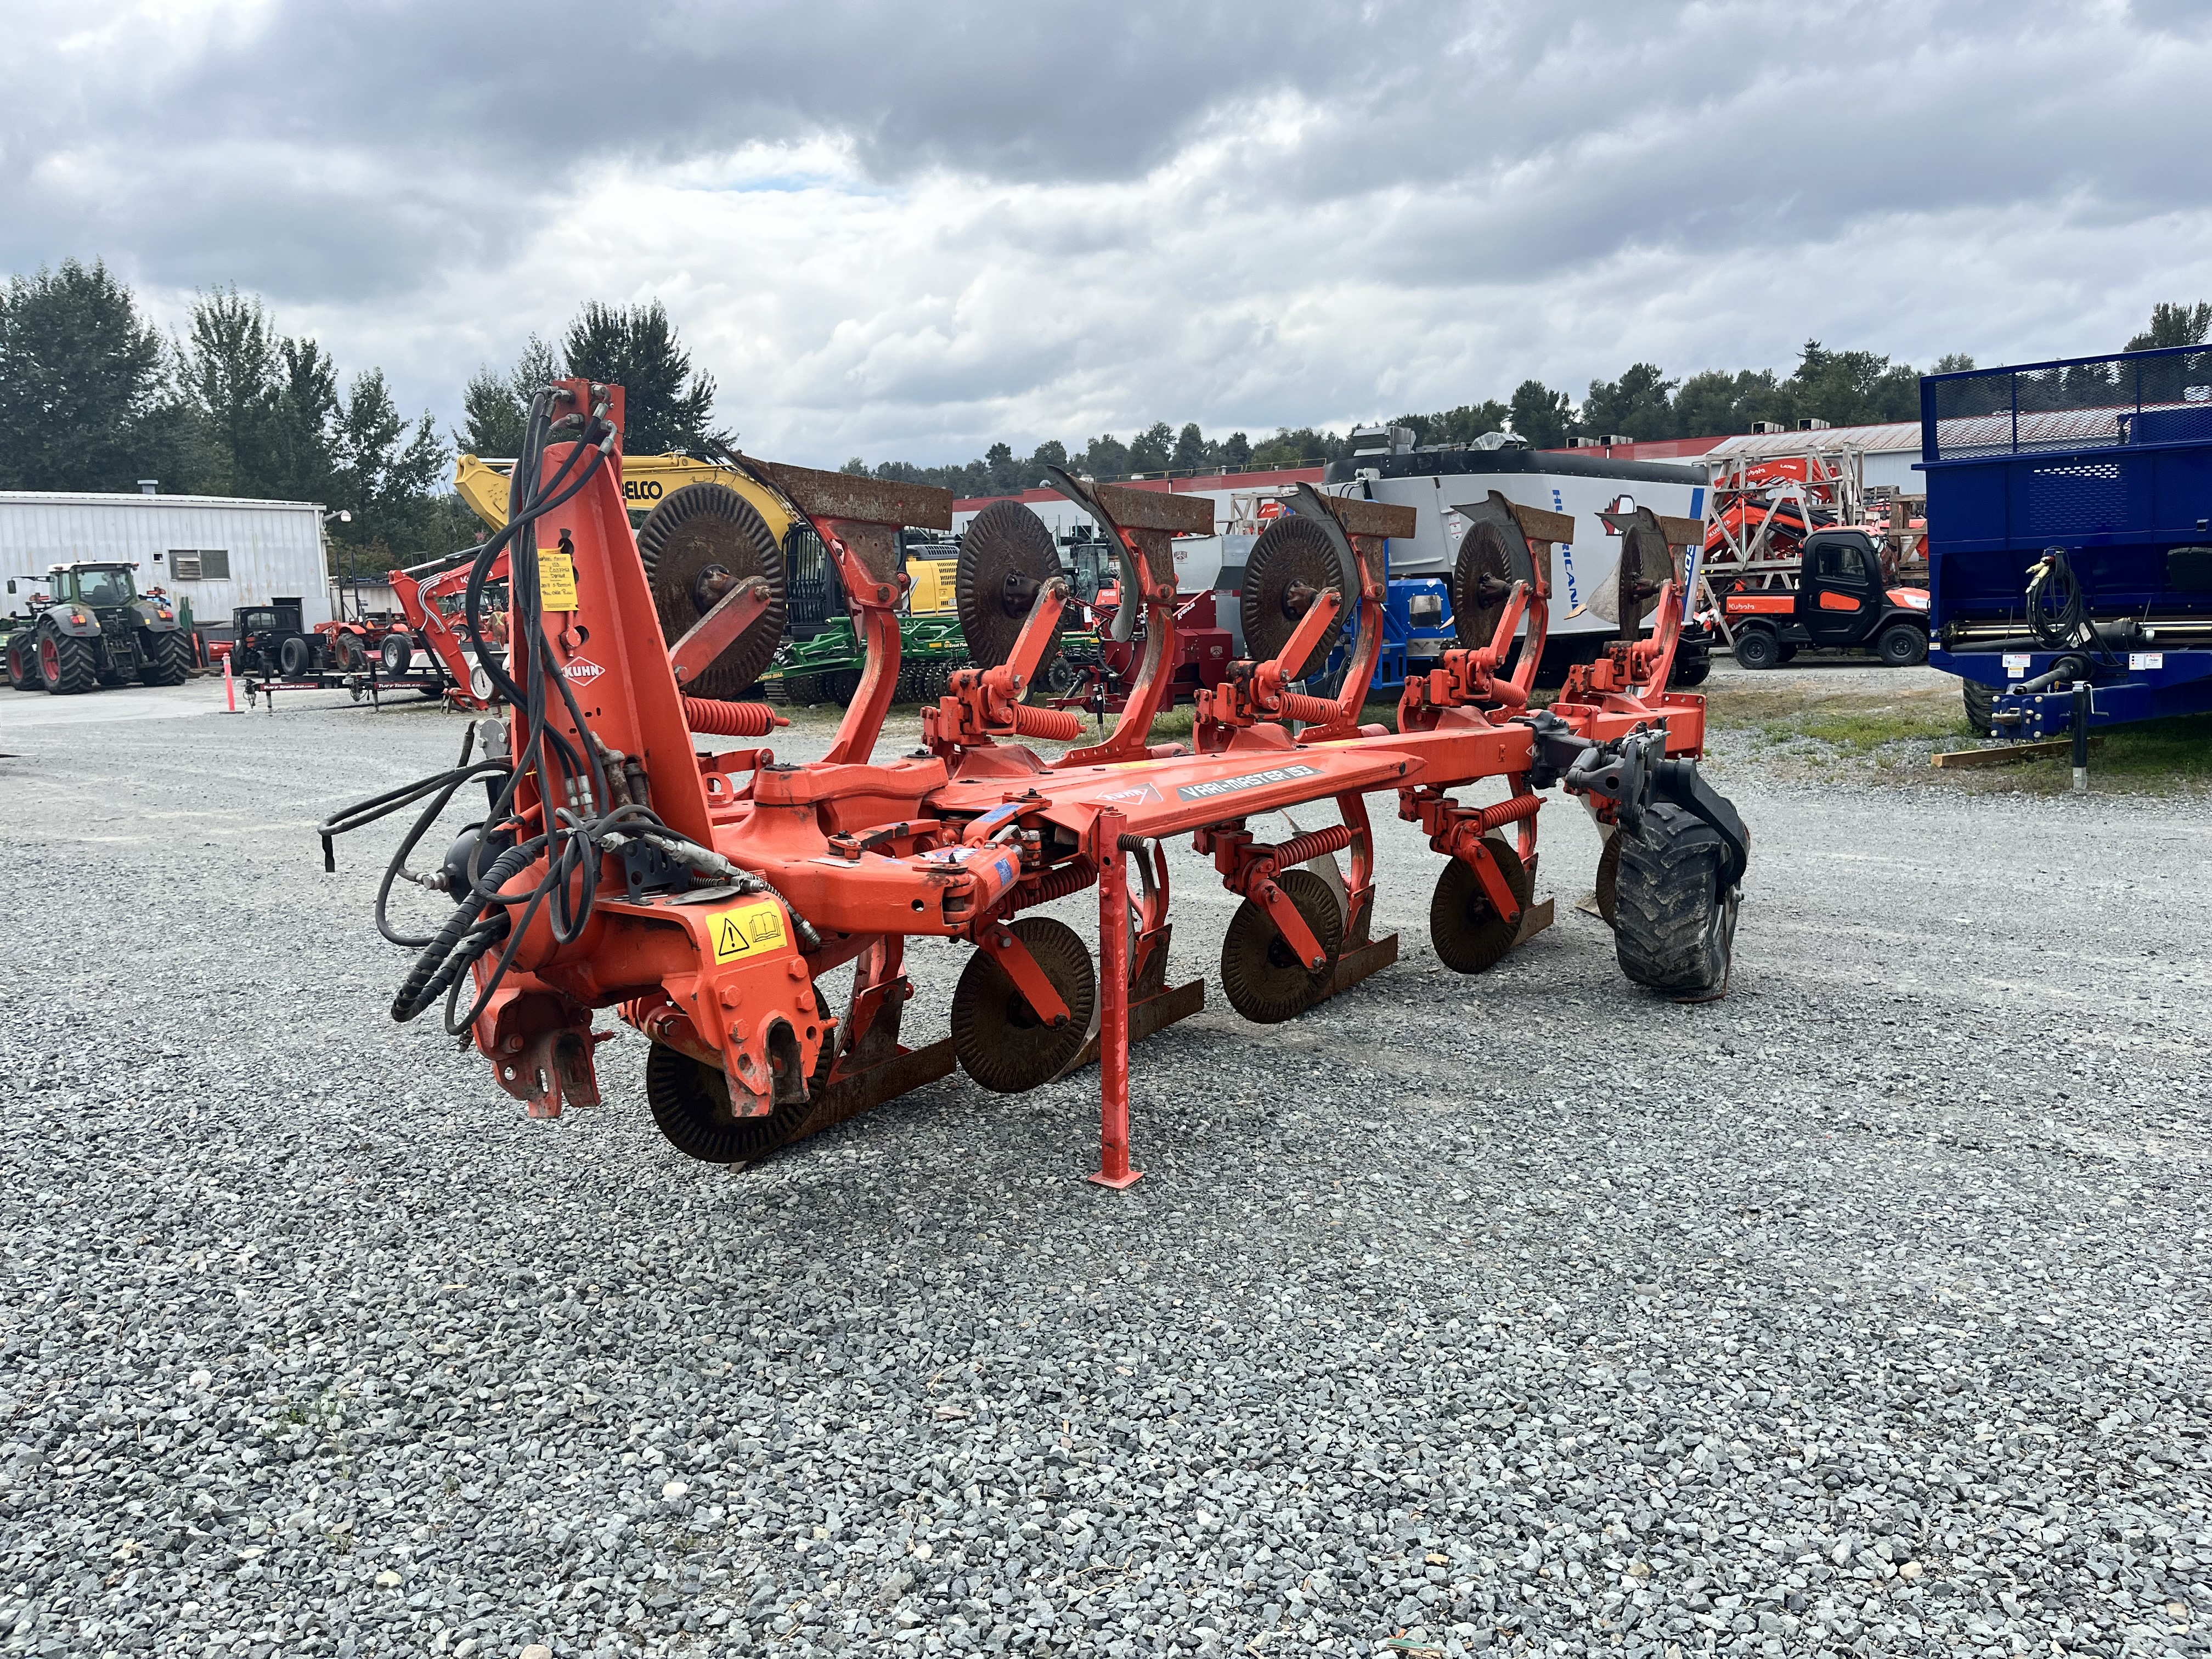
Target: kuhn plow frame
{"points": [[705, 890]]}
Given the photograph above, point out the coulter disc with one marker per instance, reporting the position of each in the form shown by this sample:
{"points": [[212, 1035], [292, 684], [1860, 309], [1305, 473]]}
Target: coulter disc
{"points": [[1464, 929], [696, 544], [1482, 581], [1006, 554], [1292, 560], [997, 1036], [691, 1102], [1265, 981]]}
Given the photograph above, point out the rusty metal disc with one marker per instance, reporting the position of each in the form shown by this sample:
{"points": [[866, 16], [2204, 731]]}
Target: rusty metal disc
{"points": [[1627, 598], [1482, 582], [696, 544], [998, 1037], [1464, 929], [1266, 982], [1006, 554], [690, 1103], [1292, 562]]}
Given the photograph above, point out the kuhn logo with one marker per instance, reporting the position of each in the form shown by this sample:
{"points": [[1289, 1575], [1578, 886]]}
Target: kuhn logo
{"points": [[584, 671]]}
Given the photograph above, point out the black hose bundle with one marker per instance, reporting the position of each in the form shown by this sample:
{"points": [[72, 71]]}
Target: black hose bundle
{"points": [[2058, 609]]}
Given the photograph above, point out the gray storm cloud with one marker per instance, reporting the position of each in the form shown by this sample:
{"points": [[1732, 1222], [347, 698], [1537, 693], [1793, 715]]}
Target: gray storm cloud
{"points": [[911, 230]]}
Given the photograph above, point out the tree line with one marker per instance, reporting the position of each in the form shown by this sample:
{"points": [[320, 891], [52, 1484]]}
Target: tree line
{"points": [[92, 396], [1844, 388]]}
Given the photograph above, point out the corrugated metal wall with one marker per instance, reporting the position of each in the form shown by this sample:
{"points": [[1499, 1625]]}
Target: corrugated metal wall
{"points": [[276, 548]]}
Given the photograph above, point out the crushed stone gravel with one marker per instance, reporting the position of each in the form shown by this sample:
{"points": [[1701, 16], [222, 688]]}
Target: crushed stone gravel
{"points": [[1862, 1312]]}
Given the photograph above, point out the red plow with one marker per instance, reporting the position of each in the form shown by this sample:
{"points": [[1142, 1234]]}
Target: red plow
{"points": [[641, 851]]}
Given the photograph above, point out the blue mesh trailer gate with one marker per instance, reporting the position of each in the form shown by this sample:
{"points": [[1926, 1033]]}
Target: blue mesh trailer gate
{"points": [[2069, 515]]}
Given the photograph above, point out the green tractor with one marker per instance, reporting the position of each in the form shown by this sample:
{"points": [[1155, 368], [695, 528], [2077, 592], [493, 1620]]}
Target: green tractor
{"points": [[92, 627]]}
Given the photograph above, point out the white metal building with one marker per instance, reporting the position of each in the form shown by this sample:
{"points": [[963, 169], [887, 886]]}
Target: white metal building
{"points": [[212, 552]]}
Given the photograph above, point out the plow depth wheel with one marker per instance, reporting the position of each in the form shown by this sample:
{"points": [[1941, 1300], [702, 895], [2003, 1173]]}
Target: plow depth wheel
{"points": [[996, 1035], [691, 1102], [1673, 929], [1266, 982], [1464, 929]]}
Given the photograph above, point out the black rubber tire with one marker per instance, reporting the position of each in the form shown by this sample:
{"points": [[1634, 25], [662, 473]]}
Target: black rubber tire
{"points": [[67, 666], [1787, 654], [1756, 648], [296, 657], [690, 1103], [165, 659], [1981, 707], [1902, 645], [842, 686], [802, 690], [1264, 983], [1607, 884], [1464, 928], [997, 1036], [1673, 929], [397, 651], [23, 663], [347, 655], [1687, 673]]}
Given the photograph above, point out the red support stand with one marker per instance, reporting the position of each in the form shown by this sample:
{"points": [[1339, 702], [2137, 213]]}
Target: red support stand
{"points": [[1114, 1169]]}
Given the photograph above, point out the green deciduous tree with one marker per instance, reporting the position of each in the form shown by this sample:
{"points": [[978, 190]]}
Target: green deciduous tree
{"points": [[84, 384], [1637, 405], [1544, 418]]}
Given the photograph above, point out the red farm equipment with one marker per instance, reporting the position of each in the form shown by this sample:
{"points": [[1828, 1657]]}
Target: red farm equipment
{"points": [[431, 598], [643, 852]]}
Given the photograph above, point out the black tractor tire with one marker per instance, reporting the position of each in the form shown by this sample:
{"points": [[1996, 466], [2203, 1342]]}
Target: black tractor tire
{"points": [[1684, 675], [1607, 884], [165, 659], [1981, 707], [1902, 645], [1673, 927], [347, 654], [397, 651], [67, 665], [296, 657], [23, 663], [1756, 648]]}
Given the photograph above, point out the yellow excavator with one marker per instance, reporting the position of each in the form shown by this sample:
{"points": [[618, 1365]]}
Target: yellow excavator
{"points": [[820, 660]]}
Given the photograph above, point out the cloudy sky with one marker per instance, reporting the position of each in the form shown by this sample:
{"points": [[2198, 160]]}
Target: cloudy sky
{"points": [[907, 230]]}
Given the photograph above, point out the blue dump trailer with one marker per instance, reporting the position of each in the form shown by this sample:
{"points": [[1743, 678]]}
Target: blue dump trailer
{"points": [[2068, 547]]}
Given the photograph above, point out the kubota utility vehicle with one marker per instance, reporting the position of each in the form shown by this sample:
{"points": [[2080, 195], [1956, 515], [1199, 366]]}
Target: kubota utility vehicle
{"points": [[1841, 603], [92, 627], [643, 851]]}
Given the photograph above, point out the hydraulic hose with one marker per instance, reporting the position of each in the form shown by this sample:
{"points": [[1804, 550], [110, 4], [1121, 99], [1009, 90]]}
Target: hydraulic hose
{"points": [[442, 959]]}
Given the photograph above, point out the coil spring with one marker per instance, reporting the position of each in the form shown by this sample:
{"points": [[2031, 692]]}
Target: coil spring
{"points": [[1056, 884], [1314, 711], [728, 720], [1311, 845]]}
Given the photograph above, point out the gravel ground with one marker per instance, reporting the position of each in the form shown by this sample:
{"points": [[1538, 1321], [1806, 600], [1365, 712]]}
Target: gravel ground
{"points": [[1860, 1312]]}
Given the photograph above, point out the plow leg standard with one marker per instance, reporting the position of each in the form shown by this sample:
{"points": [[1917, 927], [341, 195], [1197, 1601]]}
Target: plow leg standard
{"points": [[632, 857]]}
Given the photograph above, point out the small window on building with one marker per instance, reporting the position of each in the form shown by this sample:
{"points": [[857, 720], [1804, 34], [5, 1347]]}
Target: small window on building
{"points": [[184, 564], [215, 564], [199, 564]]}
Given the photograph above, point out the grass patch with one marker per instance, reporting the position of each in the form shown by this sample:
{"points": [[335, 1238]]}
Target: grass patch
{"points": [[1863, 731], [2169, 754]]}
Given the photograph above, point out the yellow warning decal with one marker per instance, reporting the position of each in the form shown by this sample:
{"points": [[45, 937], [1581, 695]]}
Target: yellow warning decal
{"points": [[557, 580], [746, 929]]}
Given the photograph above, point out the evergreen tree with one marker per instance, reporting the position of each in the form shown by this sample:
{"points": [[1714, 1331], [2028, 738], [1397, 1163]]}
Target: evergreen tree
{"points": [[84, 384], [1150, 450], [667, 403], [1236, 452], [2173, 325], [1192, 453], [495, 407]]}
